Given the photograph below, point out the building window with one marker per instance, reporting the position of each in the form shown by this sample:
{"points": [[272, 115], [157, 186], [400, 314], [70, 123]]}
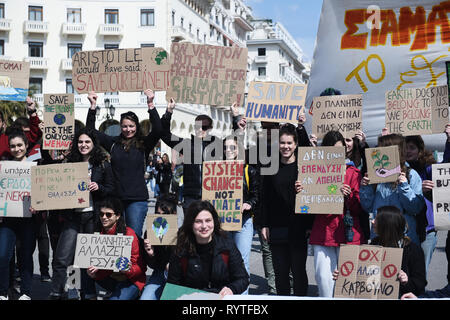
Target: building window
{"points": [[73, 48], [182, 22], [198, 33], [69, 86], [2, 10], [147, 45], [111, 46], [261, 52], [74, 15], [204, 38], [36, 85], [111, 16], [147, 17], [35, 49], [190, 27], [35, 13], [173, 18], [2, 47], [262, 71]]}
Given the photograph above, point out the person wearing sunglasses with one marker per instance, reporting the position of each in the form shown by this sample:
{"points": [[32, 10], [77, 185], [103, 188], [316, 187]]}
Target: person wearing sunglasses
{"points": [[125, 284], [129, 153]]}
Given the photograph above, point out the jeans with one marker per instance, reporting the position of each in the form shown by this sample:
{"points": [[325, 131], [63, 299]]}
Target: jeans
{"points": [[121, 290], [325, 262], [243, 240], [135, 213], [428, 246], [76, 222], [269, 274], [12, 230], [155, 285], [40, 225]]}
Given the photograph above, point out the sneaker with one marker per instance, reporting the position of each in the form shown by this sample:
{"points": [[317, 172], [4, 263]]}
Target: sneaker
{"points": [[46, 278], [54, 296], [25, 297], [4, 298]]}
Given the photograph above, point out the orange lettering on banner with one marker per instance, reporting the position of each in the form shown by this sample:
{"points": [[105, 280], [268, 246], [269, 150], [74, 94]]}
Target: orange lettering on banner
{"points": [[413, 23], [389, 26], [350, 40]]}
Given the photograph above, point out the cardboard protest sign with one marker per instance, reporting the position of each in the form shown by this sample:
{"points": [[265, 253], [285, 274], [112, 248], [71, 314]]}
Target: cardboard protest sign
{"points": [[14, 80], [441, 198], [162, 229], [321, 171], [176, 292], [341, 112], [275, 101], [417, 111], [59, 121], [205, 74], [60, 186], [123, 70], [15, 188], [383, 164], [222, 186], [368, 272], [104, 251]]}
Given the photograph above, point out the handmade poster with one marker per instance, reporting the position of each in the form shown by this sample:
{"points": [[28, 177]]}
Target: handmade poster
{"points": [[206, 74], [14, 80], [176, 292], [123, 70], [341, 112], [371, 47], [15, 188], [321, 171], [368, 272], [59, 121], [60, 186], [222, 186], [103, 251], [162, 229], [383, 164], [275, 101], [417, 111], [441, 195]]}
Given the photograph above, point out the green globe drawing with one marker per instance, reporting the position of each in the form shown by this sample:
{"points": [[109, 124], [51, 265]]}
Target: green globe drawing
{"points": [[59, 119], [160, 57]]}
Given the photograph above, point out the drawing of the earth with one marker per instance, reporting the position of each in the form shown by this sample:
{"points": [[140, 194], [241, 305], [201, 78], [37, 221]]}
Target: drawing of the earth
{"points": [[160, 57], [59, 119]]}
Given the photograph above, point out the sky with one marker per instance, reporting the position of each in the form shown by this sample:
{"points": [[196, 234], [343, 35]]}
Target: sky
{"points": [[299, 17]]}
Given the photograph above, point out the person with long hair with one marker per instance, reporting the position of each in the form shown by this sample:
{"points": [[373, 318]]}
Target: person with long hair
{"points": [[405, 193], [285, 231], [129, 153], [14, 230], [329, 231], [205, 257], [84, 149], [164, 176], [125, 284]]}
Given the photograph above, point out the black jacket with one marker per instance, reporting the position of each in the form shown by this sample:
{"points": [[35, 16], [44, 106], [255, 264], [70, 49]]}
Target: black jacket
{"points": [[232, 275], [129, 166], [251, 194]]}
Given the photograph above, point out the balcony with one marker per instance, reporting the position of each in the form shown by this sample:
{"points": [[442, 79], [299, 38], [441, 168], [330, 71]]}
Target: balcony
{"points": [[180, 34], [111, 30], [66, 64], [37, 63], [260, 59], [38, 98], [5, 24], [35, 27], [243, 23], [74, 28]]}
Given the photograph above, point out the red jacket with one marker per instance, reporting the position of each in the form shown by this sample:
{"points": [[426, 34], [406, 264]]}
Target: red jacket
{"points": [[136, 274], [328, 229]]}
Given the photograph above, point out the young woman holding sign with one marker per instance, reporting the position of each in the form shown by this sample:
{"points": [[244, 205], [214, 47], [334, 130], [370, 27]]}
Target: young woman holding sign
{"points": [[129, 152], [17, 229]]}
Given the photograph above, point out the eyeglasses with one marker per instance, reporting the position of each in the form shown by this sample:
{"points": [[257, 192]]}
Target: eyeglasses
{"points": [[108, 214], [231, 147]]}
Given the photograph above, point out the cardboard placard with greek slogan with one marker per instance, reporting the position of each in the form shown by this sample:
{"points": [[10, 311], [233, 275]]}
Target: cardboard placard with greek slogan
{"points": [[126, 70], [222, 186], [60, 186], [206, 74], [441, 192], [275, 101], [59, 121], [321, 171], [383, 164], [14, 80], [103, 251], [368, 272], [162, 229], [340, 112]]}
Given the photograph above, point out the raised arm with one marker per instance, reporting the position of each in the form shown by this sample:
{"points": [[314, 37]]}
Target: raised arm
{"points": [[151, 140], [166, 136], [35, 132], [104, 140]]}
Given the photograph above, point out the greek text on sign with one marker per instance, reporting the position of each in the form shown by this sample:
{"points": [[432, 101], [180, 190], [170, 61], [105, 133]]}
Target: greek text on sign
{"points": [[14, 80], [441, 192], [222, 186], [342, 113], [368, 272], [107, 252], [59, 121], [275, 101], [321, 171], [205, 74], [15, 188], [112, 70]]}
